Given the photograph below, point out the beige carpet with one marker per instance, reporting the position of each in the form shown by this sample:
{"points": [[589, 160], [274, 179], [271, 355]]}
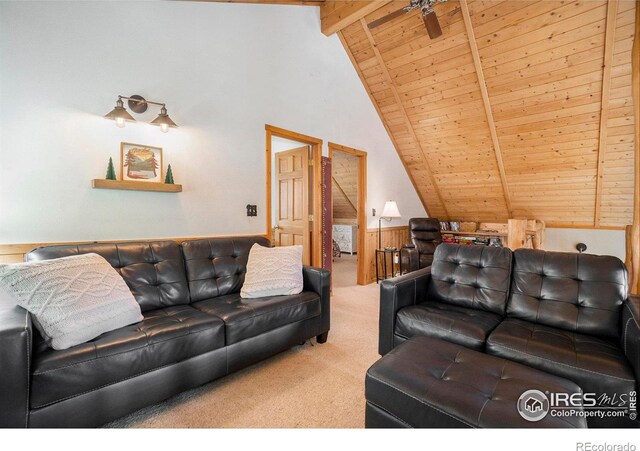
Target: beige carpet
{"points": [[319, 386]]}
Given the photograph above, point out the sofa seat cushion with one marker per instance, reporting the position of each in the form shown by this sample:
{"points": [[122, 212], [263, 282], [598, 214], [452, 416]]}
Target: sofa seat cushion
{"points": [[163, 337], [596, 365], [246, 318], [465, 326]]}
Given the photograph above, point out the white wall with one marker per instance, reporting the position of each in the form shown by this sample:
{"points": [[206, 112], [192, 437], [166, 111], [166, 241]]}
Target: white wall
{"points": [[600, 242], [224, 70]]}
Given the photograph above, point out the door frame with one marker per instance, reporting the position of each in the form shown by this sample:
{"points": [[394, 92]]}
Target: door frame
{"points": [[361, 207], [316, 183]]}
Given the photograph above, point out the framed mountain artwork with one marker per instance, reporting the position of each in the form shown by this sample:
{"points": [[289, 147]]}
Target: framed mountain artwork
{"points": [[140, 163]]}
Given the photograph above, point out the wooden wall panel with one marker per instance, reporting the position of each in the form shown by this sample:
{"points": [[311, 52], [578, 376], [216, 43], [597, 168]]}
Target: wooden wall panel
{"points": [[513, 112], [14, 253], [391, 237], [616, 198], [345, 185]]}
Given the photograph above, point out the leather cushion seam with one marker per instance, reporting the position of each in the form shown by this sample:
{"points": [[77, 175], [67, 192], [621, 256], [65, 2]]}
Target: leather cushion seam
{"points": [[632, 314], [122, 352], [398, 419], [423, 402], [265, 313], [446, 330], [117, 382], [558, 363], [570, 278]]}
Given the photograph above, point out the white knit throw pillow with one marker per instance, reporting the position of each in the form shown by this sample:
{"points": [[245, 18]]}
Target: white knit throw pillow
{"points": [[273, 271], [73, 299]]}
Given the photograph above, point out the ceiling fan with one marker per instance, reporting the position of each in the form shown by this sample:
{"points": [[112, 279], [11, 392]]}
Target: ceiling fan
{"points": [[428, 16]]}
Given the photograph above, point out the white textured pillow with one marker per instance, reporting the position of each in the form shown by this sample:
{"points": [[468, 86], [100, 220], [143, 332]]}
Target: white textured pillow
{"points": [[273, 271], [73, 299]]}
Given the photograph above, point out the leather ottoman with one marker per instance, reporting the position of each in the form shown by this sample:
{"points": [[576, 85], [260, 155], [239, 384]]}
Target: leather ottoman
{"points": [[430, 383]]}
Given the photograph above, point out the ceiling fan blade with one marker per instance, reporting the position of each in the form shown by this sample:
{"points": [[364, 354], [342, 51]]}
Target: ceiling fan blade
{"points": [[387, 18], [432, 24]]}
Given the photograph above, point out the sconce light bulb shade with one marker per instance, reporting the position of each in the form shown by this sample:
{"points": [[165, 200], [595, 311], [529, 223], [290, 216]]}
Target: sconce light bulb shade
{"points": [[119, 114], [164, 121]]}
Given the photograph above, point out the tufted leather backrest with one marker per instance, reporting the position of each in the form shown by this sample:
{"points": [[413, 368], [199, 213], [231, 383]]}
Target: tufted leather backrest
{"points": [[216, 266], [153, 271], [471, 276], [576, 292], [425, 234]]}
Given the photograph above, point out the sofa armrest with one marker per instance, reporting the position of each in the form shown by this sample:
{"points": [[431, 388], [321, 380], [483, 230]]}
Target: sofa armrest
{"points": [[396, 293], [319, 280], [631, 332], [15, 362], [410, 257]]}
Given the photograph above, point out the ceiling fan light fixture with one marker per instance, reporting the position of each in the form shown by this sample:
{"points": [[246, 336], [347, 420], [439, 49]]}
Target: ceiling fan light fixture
{"points": [[431, 23], [428, 16]]}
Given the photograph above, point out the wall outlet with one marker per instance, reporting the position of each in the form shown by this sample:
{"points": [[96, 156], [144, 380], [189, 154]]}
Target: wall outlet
{"points": [[252, 210]]}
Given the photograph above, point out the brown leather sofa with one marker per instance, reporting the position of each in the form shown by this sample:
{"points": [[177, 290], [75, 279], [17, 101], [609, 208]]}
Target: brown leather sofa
{"points": [[196, 328], [425, 236], [566, 314]]}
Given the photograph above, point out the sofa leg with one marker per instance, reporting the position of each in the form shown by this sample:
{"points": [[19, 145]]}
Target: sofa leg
{"points": [[322, 338]]}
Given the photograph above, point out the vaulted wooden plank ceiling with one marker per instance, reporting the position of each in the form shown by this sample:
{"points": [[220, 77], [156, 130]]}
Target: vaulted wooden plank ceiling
{"points": [[344, 168], [520, 108]]}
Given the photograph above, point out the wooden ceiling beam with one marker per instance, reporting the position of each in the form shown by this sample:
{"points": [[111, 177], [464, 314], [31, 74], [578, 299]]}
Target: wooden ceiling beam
{"points": [[384, 122], [404, 115], [336, 15], [487, 103], [610, 32]]}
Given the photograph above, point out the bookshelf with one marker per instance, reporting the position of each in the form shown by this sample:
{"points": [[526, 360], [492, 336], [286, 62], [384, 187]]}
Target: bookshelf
{"points": [[515, 233]]}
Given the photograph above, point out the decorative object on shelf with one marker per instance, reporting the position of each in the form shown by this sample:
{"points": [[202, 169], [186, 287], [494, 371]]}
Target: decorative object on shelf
{"points": [[111, 172], [444, 225], [514, 234], [455, 226], [389, 212], [169, 177], [139, 104], [142, 163]]}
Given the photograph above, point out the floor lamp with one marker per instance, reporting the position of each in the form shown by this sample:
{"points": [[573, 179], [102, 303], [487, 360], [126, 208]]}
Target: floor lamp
{"points": [[389, 212]]}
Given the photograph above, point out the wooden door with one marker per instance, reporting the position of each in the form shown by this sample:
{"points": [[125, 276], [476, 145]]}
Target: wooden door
{"points": [[292, 219]]}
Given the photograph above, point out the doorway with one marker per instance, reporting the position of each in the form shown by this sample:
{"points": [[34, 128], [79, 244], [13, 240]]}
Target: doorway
{"points": [[294, 196], [349, 197]]}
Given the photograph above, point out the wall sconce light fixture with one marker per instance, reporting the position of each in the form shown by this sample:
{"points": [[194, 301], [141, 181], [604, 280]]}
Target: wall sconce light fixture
{"points": [[139, 104]]}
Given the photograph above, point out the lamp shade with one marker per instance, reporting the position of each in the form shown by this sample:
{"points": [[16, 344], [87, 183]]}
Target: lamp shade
{"points": [[390, 210], [119, 113], [163, 120]]}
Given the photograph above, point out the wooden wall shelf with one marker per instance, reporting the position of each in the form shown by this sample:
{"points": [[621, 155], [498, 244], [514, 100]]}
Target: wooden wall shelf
{"points": [[489, 234], [135, 186]]}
